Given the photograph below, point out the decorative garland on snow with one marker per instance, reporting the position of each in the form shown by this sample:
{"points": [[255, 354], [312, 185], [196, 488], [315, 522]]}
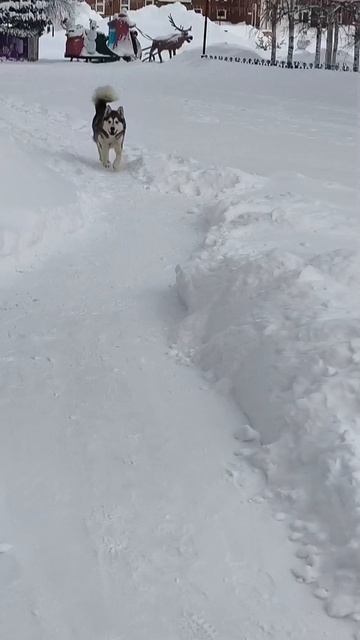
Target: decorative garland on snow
{"points": [[23, 17], [260, 62]]}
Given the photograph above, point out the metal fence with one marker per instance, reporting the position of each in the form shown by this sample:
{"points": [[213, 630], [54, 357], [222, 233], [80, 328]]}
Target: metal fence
{"points": [[280, 64]]}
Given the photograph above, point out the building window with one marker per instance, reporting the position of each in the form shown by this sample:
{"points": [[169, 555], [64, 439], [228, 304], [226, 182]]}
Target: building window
{"points": [[147, 2], [221, 14], [100, 6], [125, 5], [304, 17], [198, 10]]}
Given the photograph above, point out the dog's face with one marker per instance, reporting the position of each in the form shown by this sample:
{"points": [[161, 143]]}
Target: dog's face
{"points": [[112, 123]]}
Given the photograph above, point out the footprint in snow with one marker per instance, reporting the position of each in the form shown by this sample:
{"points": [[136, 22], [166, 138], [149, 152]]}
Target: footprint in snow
{"points": [[196, 627]]}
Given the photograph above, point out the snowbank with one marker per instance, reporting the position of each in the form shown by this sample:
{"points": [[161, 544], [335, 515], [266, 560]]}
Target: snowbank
{"points": [[154, 21], [273, 321]]}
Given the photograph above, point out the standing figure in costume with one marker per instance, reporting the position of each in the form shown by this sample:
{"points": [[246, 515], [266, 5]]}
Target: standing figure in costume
{"points": [[122, 36], [90, 38]]}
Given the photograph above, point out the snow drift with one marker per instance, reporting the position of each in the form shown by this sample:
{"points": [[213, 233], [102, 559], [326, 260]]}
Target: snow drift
{"points": [[273, 321], [154, 21]]}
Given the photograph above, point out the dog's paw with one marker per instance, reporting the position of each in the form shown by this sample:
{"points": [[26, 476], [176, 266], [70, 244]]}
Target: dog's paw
{"points": [[116, 166], [107, 165]]}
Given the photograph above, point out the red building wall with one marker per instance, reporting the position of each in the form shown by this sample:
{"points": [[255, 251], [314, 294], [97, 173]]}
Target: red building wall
{"points": [[234, 11]]}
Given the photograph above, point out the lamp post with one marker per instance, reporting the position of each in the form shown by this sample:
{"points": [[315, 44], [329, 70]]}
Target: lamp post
{"points": [[205, 25]]}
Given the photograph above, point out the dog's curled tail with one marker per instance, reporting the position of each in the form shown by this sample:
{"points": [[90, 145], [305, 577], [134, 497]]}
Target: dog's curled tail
{"points": [[103, 95]]}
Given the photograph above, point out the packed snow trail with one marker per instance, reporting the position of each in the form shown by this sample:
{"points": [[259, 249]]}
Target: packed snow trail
{"points": [[124, 512]]}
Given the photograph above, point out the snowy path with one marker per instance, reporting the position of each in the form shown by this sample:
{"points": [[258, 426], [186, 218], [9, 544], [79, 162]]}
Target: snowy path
{"points": [[123, 518], [118, 493]]}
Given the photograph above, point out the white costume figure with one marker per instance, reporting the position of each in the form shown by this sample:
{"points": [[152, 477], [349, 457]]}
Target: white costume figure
{"points": [[90, 38]]}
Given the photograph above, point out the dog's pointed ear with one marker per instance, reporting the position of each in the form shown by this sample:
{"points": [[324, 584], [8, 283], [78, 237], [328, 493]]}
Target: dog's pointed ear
{"points": [[120, 111], [107, 111]]}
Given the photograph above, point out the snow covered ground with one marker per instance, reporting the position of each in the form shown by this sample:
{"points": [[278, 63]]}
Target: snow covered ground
{"points": [[128, 509], [274, 322]]}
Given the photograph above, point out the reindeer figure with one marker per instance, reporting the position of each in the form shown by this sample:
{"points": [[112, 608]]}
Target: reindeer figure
{"points": [[170, 43]]}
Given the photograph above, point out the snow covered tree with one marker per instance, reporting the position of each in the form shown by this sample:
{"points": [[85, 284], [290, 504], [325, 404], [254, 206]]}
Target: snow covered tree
{"points": [[318, 18], [333, 16], [329, 37], [272, 13], [335, 9], [291, 20], [357, 42], [328, 14], [58, 10], [325, 17], [289, 12], [335, 39], [23, 16], [317, 60], [354, 7], [32, 16]]}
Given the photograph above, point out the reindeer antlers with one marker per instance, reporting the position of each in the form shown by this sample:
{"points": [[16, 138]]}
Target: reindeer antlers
{"points": [[181, 28]]}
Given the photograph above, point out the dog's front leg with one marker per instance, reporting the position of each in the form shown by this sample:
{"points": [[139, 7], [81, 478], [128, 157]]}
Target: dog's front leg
{"points": [[105, 156], [118, 153], [103, 150], [99, 148]]}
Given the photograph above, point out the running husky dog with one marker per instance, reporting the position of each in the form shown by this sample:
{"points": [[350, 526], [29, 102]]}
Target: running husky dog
{"points": [[108, 126]]}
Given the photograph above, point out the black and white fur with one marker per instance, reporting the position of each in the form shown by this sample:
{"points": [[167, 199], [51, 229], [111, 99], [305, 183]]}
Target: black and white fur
{"points": [[109, 126]]}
